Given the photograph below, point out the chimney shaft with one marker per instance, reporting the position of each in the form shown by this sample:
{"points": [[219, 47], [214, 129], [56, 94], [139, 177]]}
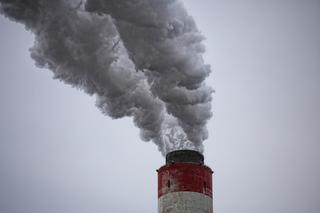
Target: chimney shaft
{"points": [[184, 184]]}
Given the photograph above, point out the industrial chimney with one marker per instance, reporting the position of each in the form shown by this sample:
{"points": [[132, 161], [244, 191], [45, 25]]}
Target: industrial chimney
{"points": [[185, 184]]}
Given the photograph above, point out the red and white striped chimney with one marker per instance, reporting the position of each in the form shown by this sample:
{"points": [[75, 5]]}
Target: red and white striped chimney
{"points": [[185, 184]]}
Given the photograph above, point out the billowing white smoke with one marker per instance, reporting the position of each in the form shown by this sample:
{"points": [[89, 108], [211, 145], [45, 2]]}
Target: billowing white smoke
{"points": [[140, 58]]}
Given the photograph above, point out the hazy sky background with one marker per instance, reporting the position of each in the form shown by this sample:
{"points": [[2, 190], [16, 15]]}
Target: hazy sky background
{"points": [[59, 154]]}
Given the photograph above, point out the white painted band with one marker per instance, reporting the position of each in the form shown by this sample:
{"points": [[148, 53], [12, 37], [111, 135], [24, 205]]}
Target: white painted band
{"points": [[185, 202]]}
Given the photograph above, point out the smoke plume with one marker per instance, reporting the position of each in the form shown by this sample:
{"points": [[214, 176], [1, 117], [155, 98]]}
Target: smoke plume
{"points": [[139, 58]]}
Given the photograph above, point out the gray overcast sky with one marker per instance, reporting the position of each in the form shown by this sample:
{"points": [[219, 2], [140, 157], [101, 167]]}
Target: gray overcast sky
{"points": [[59, 154]]}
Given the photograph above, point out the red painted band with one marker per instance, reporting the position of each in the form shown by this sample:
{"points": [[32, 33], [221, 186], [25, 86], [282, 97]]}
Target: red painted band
{"points": [[189, 177]]}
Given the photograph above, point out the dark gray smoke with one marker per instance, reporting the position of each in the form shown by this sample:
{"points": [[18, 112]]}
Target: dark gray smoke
{"points": [[140, 58]]}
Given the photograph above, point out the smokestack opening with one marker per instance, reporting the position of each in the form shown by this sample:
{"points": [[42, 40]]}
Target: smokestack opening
{"points": [[184, 156]]}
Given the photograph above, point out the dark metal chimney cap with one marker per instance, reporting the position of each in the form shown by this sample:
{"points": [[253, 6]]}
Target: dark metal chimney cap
{"points": [[184, 156]]}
